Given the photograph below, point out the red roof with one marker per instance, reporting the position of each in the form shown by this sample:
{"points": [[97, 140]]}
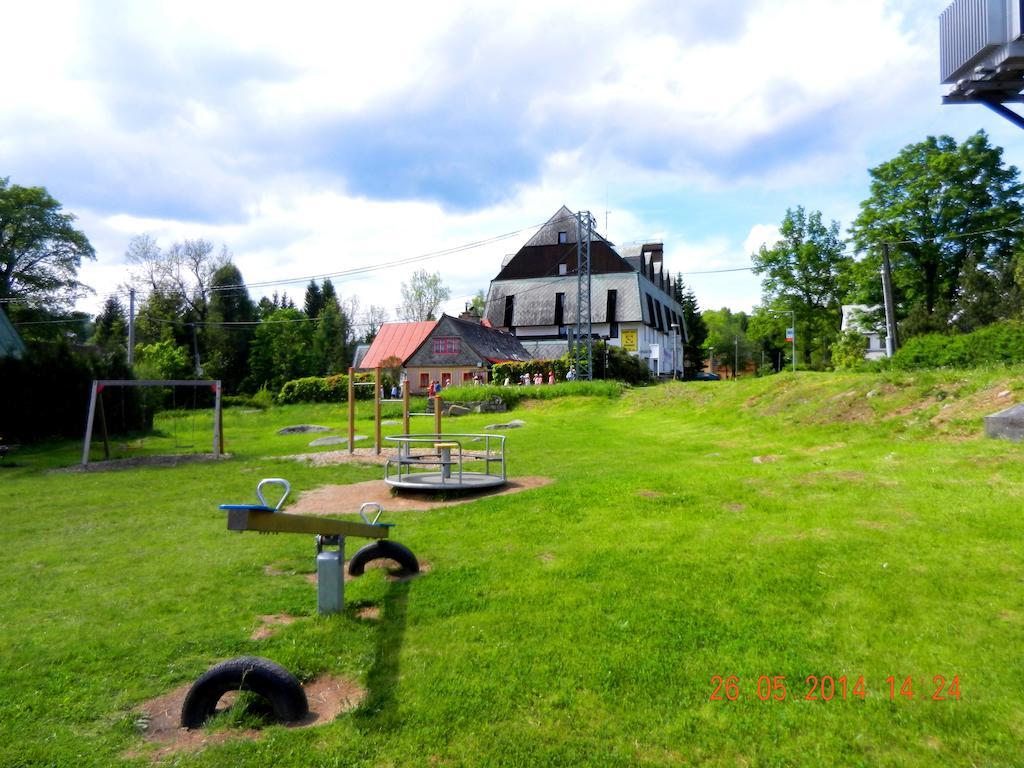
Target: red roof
{"points": [[396, 340]]}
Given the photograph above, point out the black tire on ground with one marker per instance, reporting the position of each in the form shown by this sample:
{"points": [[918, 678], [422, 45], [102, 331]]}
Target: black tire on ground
{"points": [[245, 673], [383, 550]]}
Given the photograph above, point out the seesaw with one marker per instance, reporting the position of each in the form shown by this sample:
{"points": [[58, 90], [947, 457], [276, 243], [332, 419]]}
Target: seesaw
{"points": [[329, 532]]}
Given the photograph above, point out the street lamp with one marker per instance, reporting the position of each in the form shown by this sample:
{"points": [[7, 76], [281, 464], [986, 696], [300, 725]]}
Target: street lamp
{"points": [[675, 347], [792, 315]]}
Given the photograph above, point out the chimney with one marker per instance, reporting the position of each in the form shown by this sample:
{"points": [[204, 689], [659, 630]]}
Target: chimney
{"points": [[471, 314]]}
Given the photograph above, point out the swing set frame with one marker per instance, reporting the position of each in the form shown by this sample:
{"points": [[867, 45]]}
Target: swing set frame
{"points": [[98, 385]]}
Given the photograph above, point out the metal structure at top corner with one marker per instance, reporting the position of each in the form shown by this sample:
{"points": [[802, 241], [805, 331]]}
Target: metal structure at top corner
{"points": [[583, 346], [981, 52]]}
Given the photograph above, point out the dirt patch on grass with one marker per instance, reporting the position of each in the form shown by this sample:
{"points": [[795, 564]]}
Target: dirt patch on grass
{"points": [[269, 623], [111, 465], [358, 456], [976, 406], [650, 494], [346, 499], [767, 459], [874, 525], [736, 507], [159, 718], [368, 613]]}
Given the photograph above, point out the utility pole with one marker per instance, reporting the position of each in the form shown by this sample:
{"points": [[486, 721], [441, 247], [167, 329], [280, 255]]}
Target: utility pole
{"points": [[131, 326], [891, 342], [195, 348], [735, 356]]}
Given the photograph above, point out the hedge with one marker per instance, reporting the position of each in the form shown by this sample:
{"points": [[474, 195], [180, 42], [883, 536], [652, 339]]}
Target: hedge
{"points": [[999, 343], [327, 389]]}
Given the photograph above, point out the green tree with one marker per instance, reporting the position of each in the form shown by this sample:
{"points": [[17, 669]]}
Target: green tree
{"points": [[110, 333], [950, 214], [422, 297], [281, 350], [231, 318], [314, 300], [849, 350], [40, 249], [163, 360], [478, 302], [330, 340], [808, 272], [727, 338], [696, 330]]}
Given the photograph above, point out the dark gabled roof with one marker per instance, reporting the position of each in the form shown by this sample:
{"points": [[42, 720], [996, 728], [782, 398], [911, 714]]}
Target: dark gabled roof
{"points": [[492, 345], [564, 220], [542, 254]]}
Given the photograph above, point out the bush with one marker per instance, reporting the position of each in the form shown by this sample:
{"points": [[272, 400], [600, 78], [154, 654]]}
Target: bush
{"points": [[999, 343], [327, 389], [848, 351], [513, 394]]}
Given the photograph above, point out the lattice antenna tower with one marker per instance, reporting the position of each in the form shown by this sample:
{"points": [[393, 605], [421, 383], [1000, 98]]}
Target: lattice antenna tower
{"points": [[584, 343]]}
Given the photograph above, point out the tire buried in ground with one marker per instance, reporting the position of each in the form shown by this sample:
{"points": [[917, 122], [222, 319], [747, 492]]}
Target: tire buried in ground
{"points": [[245, 673], [384, 550]]}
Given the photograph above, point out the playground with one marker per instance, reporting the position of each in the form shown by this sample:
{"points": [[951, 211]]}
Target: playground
{"points": [[699, 568]]}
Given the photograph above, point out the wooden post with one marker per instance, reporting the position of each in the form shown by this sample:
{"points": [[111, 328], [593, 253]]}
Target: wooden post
{"points": [[405, 406], [218, 424], [89, 423], [351, 410], [437, 414], [376, 412], [103, 427]]}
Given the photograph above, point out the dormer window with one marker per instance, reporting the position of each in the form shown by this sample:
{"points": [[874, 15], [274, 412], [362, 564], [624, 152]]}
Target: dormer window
{"points": [[563, 269], [563, 238], [446, 345]]}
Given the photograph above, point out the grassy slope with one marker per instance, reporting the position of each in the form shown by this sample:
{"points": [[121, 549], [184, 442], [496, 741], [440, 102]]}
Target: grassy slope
{"points": [[784, 526]]}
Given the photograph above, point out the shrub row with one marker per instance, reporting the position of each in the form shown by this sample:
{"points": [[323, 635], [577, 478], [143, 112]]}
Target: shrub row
{"points": [[512, 395], [1000, 343], [325, 389]]}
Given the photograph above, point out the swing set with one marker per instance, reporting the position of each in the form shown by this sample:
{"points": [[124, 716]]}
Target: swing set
{"points": [[96, 406]]}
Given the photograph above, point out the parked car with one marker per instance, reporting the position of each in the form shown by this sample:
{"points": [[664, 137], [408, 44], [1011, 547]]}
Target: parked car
{"points": [[706, 376]]}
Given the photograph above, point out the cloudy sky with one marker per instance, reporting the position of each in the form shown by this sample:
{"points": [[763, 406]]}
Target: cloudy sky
{"points": [[314, 138]]}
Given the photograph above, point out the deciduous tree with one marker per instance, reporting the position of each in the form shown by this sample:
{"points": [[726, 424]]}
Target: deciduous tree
{"points": [[951, 215], [40, 249], [422, 297], [807, 271]]}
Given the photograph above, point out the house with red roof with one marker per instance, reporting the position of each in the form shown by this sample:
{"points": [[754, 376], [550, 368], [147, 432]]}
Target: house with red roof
{"points": [[451, 351]]}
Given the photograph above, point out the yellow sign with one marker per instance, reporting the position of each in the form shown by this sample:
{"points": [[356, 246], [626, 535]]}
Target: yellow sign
{"points": [[629, 340]]}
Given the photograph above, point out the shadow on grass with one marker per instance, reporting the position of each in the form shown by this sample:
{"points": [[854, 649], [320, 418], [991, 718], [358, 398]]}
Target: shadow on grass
{"points": [[380, 709]]}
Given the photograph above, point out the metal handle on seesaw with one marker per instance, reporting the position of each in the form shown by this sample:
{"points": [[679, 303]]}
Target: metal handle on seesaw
{"points": [[273, 481], [370, 505]]}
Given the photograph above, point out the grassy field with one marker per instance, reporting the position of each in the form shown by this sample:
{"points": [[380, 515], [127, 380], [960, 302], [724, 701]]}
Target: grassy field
{"points": [[818, 525]]}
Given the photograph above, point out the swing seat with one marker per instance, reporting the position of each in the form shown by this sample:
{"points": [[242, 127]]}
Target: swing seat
{"points": [[249, 507]]}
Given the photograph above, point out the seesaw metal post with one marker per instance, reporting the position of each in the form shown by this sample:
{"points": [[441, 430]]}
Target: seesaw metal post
{"points": [[330, 563], [330, 575]]}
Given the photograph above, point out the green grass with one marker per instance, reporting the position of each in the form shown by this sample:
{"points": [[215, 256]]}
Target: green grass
{"points": [[795, 525]]}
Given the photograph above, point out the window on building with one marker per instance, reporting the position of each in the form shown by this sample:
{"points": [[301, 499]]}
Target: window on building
{"points": [[658, 316], [446, 379], [510, 304], [563, 238], [650, 310], [467, 376], [563, 269], [446, 345], [559, 308], [424, 380]]}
